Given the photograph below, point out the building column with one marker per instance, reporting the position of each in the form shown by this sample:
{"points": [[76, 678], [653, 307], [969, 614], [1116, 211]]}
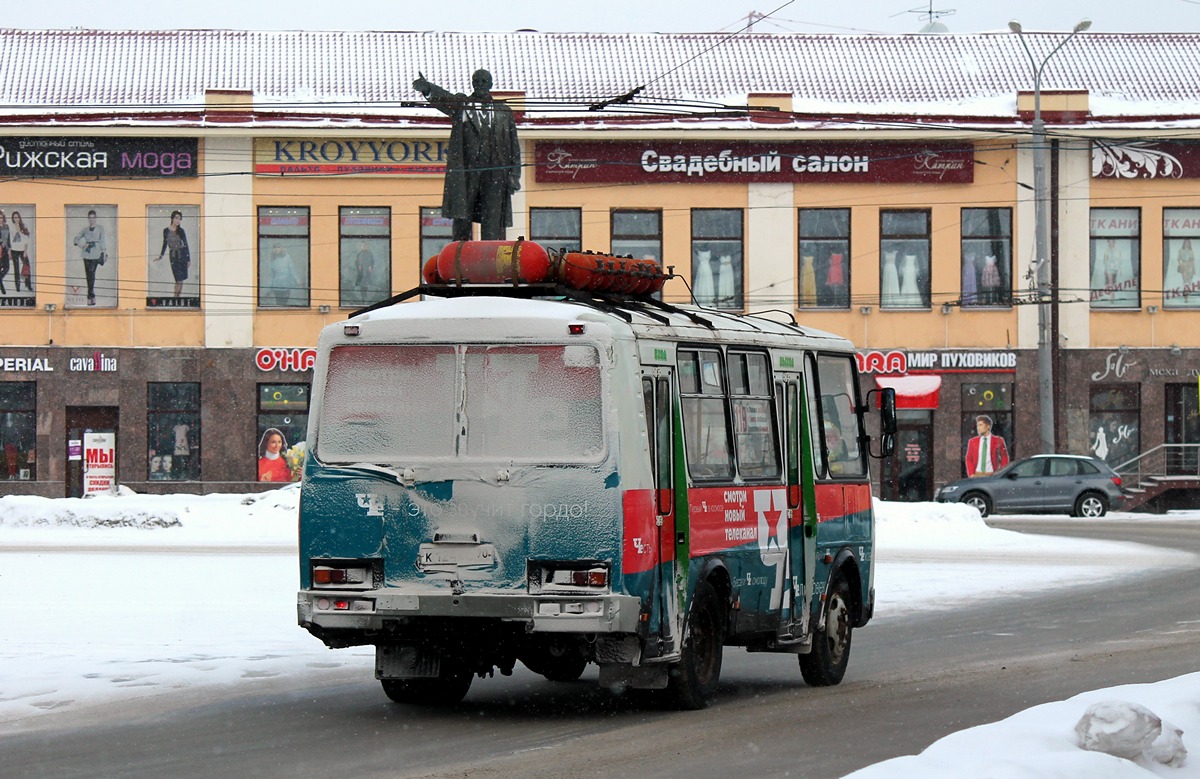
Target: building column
{"points": [[228, 290], [770, 262]]}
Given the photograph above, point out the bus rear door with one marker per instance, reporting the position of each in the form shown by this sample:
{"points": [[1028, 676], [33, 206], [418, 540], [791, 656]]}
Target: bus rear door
{"points": [[658, 393]]}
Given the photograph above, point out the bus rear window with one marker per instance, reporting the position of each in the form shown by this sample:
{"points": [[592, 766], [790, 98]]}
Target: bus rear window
{"points": [[400, 403]]}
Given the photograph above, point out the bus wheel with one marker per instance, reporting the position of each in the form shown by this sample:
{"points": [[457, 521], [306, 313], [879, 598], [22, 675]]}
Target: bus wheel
{"points": [[446, 690], [825, 665], [693, 681], [566, 668]]}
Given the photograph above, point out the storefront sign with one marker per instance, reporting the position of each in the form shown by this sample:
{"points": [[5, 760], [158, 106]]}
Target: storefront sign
{"points": [[937, 362], [292, 359], [350, 156], [59, 157], [96, 362], [669, 162], [25, 364], [1116, 364], [1145, 160], [100, 463]]}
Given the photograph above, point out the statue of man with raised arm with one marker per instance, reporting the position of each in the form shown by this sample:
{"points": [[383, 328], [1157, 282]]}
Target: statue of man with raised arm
{"points": [[483, 167]]}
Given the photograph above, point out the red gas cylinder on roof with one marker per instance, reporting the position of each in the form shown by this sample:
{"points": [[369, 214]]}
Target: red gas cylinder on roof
{"points": [[493, 262]]}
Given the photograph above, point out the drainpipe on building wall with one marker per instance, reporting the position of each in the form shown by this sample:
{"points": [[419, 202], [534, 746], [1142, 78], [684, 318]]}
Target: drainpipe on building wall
{"points": [[1055, 300]]}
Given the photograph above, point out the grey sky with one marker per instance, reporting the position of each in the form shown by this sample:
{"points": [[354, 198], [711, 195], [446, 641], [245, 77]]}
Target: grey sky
{"points": [[607, 15]]}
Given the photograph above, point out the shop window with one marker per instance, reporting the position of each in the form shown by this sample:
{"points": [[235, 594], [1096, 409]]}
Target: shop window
{"points": [[283, 257], [993, 400], [365, 251], [837, 400], [705, 425], [91, 253], [436, 232], [986, 257], [18, 430], [1116, 257], [557, 228], [1182, 429], [1181, 241], [904, 259], [1113, 413], [637, 234], [173, 431], [18, 259], [755, 440], [717, 257], [282, 428], [173, 256], [824, 258]]}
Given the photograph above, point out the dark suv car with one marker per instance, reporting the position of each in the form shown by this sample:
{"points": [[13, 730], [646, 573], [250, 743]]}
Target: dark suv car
{"points": [[1044, 483]]}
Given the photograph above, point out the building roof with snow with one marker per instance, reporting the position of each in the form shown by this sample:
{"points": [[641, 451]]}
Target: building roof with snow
{"points": [[325, 77]]}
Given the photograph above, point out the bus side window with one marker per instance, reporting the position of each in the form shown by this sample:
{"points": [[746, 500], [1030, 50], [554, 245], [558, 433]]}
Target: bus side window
{"points": [[840, 427], [755, 432], [705, 424]]}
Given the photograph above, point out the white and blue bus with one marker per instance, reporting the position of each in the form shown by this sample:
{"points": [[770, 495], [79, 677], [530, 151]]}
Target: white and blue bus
{"points": [[509, 473]]}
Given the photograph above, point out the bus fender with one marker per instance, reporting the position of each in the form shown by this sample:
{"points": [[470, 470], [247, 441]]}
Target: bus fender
{"points": [[846, 562]]}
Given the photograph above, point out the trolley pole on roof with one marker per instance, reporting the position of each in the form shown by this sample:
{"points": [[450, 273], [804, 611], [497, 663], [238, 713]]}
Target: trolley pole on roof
{"points": [[1041, 222]]}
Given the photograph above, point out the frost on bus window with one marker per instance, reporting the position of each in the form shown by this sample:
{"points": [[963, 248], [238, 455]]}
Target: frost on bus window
{"points": [[533, 403], [705, 427], [388, 403]]}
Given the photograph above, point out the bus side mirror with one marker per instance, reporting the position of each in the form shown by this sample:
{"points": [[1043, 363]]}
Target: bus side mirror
{"points": [[887, 419]]}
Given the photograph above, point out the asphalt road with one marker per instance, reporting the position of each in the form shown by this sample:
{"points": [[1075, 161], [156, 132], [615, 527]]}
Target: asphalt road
{"points": [[910, 682]]}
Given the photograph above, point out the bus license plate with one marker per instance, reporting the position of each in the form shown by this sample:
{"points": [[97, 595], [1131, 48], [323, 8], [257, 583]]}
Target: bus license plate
{"points": [[443, 557]]}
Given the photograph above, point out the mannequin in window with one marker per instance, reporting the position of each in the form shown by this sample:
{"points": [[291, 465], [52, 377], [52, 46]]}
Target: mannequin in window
{"points": [[986, 453], [726, 290], [704, 288], [989, 281], [968, 280], [890, 282], [910, 293], [808, 281], [835, 280], [1111, 264], [1185, 263]]}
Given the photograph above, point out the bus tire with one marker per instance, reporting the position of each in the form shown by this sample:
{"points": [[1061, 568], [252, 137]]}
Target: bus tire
{"points": [[826, 664], [566, 668], [448, 689], [692, 682]]}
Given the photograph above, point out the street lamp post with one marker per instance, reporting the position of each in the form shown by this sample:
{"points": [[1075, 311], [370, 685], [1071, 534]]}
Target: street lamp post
{"points": [[1041, 226]]}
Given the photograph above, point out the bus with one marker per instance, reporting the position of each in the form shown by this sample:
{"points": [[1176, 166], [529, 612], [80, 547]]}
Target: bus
{"points": [[504, 473]]}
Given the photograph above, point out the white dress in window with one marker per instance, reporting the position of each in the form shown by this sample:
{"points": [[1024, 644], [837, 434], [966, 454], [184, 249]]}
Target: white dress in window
{"points": [[890, 284], [910, 293], [703, 287], [726, 291]]}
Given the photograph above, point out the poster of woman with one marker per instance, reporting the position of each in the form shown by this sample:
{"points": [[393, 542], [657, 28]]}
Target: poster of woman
{"points": [[17, 253], [173, 256], [91, 252]]}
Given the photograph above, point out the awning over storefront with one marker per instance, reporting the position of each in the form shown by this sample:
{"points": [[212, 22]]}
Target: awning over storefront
{"points": [[916, 392]]}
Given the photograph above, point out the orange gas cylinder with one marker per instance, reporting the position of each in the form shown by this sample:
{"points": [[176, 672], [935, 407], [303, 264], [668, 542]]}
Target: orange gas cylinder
{"points": [[580, 270], [493, 262], [429, 272]]}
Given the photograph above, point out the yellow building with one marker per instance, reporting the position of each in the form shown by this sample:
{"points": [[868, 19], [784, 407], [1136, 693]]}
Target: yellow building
{"points": [[880, 187]]}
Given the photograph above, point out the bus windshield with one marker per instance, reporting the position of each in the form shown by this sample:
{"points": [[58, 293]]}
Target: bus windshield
{"points": [[400, 403]]}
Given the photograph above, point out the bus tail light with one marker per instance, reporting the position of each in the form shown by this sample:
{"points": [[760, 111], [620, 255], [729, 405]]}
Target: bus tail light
{"points": [[326, 575]]}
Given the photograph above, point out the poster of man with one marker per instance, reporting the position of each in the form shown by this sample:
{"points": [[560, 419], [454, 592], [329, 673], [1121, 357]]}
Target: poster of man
{"points": [[17, 253], [173, 256], [91, 252], [986, 452]]}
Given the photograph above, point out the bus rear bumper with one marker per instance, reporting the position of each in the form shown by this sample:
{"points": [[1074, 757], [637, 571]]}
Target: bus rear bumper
{"points": [[372, 609]]}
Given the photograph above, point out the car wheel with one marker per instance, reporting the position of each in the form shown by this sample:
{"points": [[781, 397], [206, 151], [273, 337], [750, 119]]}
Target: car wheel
{"points": [[982, 503], [1090, 505], [825, 664]]}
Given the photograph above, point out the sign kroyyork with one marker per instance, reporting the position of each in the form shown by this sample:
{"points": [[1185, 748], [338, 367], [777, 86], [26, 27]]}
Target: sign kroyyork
{"points": [[65, 157]]}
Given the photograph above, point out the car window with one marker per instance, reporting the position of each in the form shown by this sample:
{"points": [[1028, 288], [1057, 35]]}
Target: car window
{"points": [[1088, 469], [1064, 468], [1029, 469]]}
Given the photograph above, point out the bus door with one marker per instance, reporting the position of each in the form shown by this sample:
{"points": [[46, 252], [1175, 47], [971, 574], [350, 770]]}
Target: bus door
{"points": [[802, 534], [658, 394]]}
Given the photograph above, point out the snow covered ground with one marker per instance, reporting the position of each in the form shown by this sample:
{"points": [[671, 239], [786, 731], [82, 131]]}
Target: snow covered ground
{"points": [[136, 596]]}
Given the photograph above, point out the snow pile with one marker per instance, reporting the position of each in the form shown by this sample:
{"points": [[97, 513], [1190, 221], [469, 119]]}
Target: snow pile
{"points": [[101, 511], [1117, 736], [1131, 731]]}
